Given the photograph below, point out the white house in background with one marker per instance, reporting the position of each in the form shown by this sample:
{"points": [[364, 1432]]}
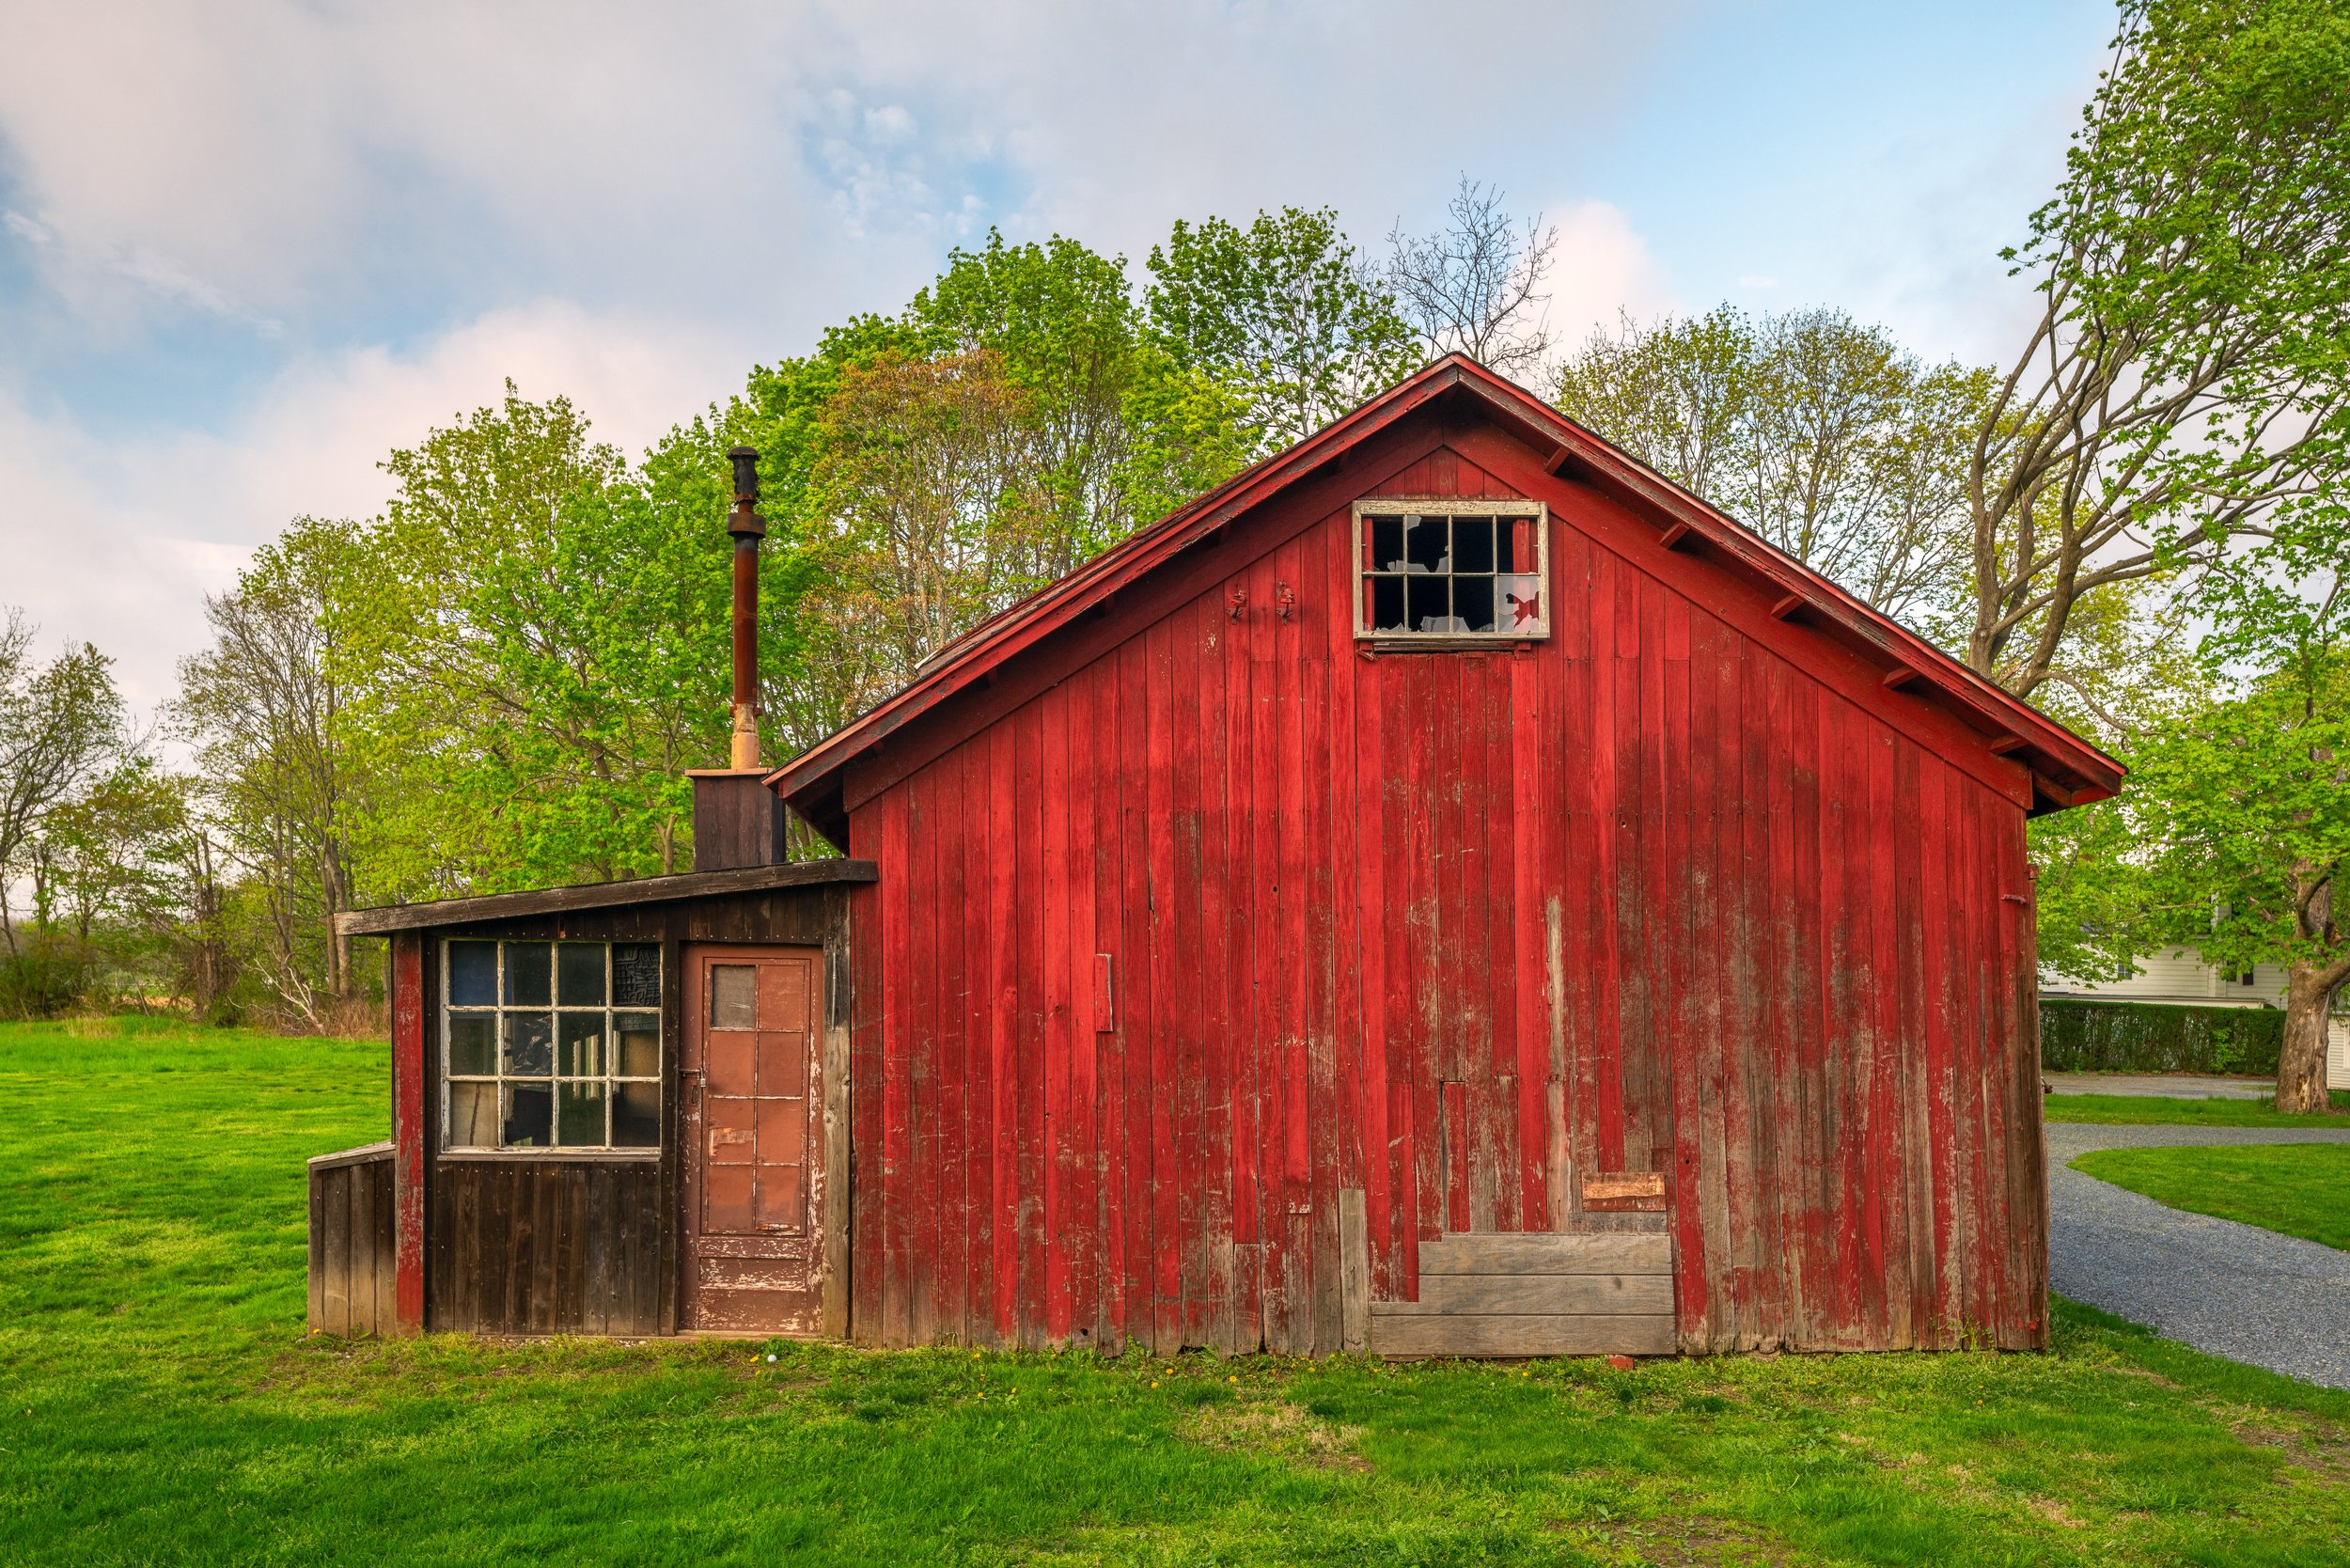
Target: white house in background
{"points": [[2180, 976]]}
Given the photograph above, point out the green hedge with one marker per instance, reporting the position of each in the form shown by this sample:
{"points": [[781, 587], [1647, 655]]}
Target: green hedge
{"points": [[2154, 1037]]}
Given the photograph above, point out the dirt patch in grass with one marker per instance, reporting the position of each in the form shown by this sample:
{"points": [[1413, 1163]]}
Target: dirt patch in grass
{"points": [[1689, 1542], [1275, 1428], [2319, 1449]]}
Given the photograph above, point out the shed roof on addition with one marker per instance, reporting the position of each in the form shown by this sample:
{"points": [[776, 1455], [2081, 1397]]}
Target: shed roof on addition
{"points": [[2065, 770], [600, 895]]}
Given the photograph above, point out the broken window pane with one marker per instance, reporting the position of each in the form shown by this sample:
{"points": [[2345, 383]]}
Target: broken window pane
{"points": [[1473, 603], [529, 974], [638, 1053], [473, 1116], [473, 974], [1429, 606], [1474, 574], [1521, 595], [637, 973], [529, 1043], [529, 1117], [579, 974], [579, 1111], [473, 1045], [579, 1044], [732, 996], [1472, 544], [636, 1116], [1425, 543]]}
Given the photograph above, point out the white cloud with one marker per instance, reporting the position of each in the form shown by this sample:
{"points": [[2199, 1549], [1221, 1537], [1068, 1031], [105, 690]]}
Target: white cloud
{"points": [[281, 156], [116, 543], [707, 187], [1603, 270]]}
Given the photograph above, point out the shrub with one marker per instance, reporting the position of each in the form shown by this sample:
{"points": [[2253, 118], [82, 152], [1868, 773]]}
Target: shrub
{"points": [[2078, 1036]]}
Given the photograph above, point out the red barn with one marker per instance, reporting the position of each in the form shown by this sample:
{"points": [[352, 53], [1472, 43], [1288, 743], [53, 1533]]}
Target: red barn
{"points": [[1445, 891]]}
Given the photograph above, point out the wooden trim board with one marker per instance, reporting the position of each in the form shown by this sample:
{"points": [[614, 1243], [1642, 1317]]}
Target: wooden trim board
{"points": [[1647, 1334]]}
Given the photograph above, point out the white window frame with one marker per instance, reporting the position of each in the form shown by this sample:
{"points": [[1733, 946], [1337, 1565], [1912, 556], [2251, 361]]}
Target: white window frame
{"points": [[1383, 506], [611, 1077]]}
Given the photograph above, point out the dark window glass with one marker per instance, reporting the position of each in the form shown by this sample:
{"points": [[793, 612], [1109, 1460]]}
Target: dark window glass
{"points": [[580, 1110], [636, 1116], [529, 1045], [1387, 604], [1425, 546], [473, 1045], [473, 974], [1473, 603], [579, 1044], [1386, 543], [635, 974], [1429, 607], [529, 1117], [1472, 544], [579, 974], [529, 974]]}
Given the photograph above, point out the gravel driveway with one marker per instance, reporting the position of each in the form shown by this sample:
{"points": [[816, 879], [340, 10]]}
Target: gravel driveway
{"points": [[2233, 1290]]}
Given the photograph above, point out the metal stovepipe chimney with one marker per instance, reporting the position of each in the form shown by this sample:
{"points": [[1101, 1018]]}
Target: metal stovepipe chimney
{"points": [[747, 528]]}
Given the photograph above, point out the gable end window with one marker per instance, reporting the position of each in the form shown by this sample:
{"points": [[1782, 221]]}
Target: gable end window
{"points": [[1451, 570], [550, 1045]]}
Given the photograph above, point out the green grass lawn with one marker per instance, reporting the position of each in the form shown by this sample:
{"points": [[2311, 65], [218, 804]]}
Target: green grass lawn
{"points": [[2144, 1110], [2302, 1189], [159, 1404]]}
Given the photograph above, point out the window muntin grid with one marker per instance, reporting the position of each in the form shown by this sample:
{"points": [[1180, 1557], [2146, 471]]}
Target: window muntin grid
{"points": [[1466, 571], [550, 1046]]}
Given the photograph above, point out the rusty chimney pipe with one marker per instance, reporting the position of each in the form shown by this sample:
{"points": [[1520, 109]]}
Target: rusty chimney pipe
{"points": [[747, 528]]}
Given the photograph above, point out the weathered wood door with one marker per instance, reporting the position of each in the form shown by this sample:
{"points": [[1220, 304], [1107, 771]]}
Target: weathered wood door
{"points": [[751, 1075]]}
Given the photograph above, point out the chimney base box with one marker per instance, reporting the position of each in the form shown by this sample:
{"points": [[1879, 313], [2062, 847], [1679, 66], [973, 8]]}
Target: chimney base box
{"points": [[738, 821]]}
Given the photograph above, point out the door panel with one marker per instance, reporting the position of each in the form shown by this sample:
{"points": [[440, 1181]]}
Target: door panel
{"points": [[752, 1070]]}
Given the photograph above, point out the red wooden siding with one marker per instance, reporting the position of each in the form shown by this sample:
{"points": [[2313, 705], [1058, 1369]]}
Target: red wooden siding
{"points": [[1682, 889]]}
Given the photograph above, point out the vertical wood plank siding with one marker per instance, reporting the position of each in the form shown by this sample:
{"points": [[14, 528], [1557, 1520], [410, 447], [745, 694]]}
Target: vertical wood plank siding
{"points": [[352, 1243], [1665, 892]]}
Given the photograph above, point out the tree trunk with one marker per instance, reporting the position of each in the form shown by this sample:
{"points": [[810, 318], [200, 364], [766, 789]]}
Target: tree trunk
{"points": [[2301, 1065]]}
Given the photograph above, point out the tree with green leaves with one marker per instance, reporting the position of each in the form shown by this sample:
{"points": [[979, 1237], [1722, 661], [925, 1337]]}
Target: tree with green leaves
{"points": [[2244, 810], [531, 653], [261, 707], [62, 728], [1283, 314], [2233, 834], [1822, 435], [2185, 386]]}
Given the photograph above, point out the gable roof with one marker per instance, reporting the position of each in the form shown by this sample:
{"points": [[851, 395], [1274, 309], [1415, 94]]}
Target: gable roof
{"points": [[2065, 768]]}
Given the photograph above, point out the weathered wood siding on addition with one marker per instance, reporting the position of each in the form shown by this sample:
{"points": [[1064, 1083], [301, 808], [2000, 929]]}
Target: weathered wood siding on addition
{"points": [[352, 1242], [1687, 888], [551, 1243]]}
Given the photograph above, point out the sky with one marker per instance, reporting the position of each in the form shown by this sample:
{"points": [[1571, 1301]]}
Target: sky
{"points": [[249, 246]]}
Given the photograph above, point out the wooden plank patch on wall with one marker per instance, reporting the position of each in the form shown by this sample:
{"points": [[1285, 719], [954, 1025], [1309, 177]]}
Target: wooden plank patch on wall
{"points": [[1601, 1293]]}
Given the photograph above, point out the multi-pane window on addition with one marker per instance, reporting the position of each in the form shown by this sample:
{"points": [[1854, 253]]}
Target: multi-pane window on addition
{"points": [[1452, 568], [552, 1045]]}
